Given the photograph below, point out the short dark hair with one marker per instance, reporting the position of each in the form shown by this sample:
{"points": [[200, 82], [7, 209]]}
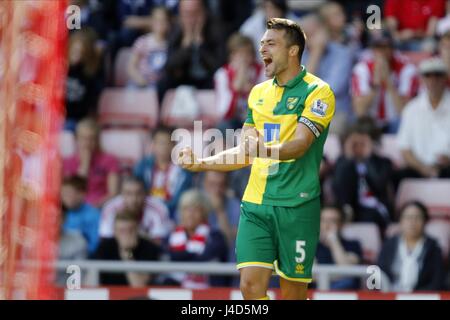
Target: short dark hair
{"points": [[364, 125], [77, 182], [162, 129], [126, 215], [294, 34], [419, 205], [133, 179], [336, 208]]}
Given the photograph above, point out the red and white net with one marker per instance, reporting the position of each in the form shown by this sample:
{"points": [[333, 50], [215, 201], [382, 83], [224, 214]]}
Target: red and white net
{"points": [[32, 70]]}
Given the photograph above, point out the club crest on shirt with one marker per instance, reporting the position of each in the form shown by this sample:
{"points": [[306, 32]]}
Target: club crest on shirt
{"points": [[319, 108], [291, 102]]}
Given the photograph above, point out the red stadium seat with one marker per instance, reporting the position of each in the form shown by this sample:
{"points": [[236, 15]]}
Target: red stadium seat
{"points": [[67, 143], [206, 101], [368, 236], [389, 149], [332, 147], [434, 193], [440, 231], [416, 57], [128, 107], [127, 145], [121, 66]]}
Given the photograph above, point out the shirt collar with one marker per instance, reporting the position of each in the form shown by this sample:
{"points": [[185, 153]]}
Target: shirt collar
{"points": [[293, 82]]}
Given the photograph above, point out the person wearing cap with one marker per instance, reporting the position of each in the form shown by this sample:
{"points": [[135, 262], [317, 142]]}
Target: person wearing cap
{"points": [[383, 81], [424, 137]]}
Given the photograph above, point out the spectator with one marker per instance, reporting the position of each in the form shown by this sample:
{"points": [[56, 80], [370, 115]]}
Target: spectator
{"points": [[72, 246], [100, 169], [412, 260], [126, 245], [225, 208], [234, 81], [85, 79], [149, 53], [161, 177], [93, 15], [255, 26], [132, 20], [410, 22], [329, 41], [195, 49], [333, 248], [423, 137], [362, 179], [382, 83], [79, 215], [444, 46], [194, 240], [153, 216], [443, 24]]}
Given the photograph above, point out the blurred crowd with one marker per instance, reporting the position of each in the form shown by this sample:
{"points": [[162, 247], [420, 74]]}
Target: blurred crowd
{"points": [[393, 80]]}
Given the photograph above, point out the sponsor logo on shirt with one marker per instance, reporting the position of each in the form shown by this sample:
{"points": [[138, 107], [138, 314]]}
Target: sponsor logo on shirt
{"points": [[319, 108]]}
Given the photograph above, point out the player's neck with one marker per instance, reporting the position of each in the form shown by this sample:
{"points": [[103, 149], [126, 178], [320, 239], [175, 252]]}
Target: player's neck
{"points": [[288, 74]]}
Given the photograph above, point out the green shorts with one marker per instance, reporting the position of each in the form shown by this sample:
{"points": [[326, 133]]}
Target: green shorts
{"points": [[283, 239]]}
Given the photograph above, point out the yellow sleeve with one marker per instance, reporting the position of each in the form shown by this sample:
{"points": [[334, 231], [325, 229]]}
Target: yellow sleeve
{"points": [[319, 109], [251, 100]]}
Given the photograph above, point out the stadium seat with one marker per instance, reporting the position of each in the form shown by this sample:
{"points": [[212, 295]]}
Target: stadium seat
{"points": [[206, 101], [128, 107], [368, 236], [434, 193], [389, 149], [67, 143], [437, 229], [332, 147], [127, 145], [416, 57], [440, 231], [120, 67]]}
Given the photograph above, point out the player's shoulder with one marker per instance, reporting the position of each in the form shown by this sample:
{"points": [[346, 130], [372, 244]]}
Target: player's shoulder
{"points": [[263, 85], [313, 80], [317, 85], [260, 88]]}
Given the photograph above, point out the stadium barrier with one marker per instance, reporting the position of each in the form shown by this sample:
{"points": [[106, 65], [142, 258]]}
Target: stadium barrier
{"points": [[159, 293], [323, 274]]}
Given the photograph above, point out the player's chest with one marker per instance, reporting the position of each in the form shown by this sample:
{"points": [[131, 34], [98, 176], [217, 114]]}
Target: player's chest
{"points": [[276, 113]]}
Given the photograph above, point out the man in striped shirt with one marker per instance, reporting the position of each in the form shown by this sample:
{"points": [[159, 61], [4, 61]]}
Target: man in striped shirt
{"points": [[383, 82], [155, 223]]}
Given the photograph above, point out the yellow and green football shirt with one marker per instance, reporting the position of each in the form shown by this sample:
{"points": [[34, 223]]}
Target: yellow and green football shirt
{"points": [[275, 111]]}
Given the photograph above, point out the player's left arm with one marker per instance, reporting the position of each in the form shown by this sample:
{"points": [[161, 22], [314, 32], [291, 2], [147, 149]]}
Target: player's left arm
{"points": [[315, 118]]}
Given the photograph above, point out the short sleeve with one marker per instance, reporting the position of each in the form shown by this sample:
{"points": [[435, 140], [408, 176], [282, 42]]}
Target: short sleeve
{"points": [[319, 109], [404, 133], [251, 100]]}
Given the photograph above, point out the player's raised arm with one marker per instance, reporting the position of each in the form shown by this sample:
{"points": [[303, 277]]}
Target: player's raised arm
{"points": [[228, 160]]}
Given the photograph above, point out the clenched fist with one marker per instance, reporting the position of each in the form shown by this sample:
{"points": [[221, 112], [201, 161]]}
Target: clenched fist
{"points": [[188, 160], [251, 141]]}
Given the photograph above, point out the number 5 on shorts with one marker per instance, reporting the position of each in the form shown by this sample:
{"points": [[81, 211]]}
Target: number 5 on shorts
{"points": [[299, 248]]}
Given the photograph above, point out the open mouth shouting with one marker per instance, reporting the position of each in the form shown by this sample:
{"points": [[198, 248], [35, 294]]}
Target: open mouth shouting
{"points": [[267, 61]]}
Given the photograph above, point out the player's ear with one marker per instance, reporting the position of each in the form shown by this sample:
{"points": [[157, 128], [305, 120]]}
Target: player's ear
{"points": [[293, 50]]}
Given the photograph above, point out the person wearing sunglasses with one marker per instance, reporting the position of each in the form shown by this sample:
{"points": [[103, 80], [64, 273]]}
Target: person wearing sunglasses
{"points": [[424, 135]]}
